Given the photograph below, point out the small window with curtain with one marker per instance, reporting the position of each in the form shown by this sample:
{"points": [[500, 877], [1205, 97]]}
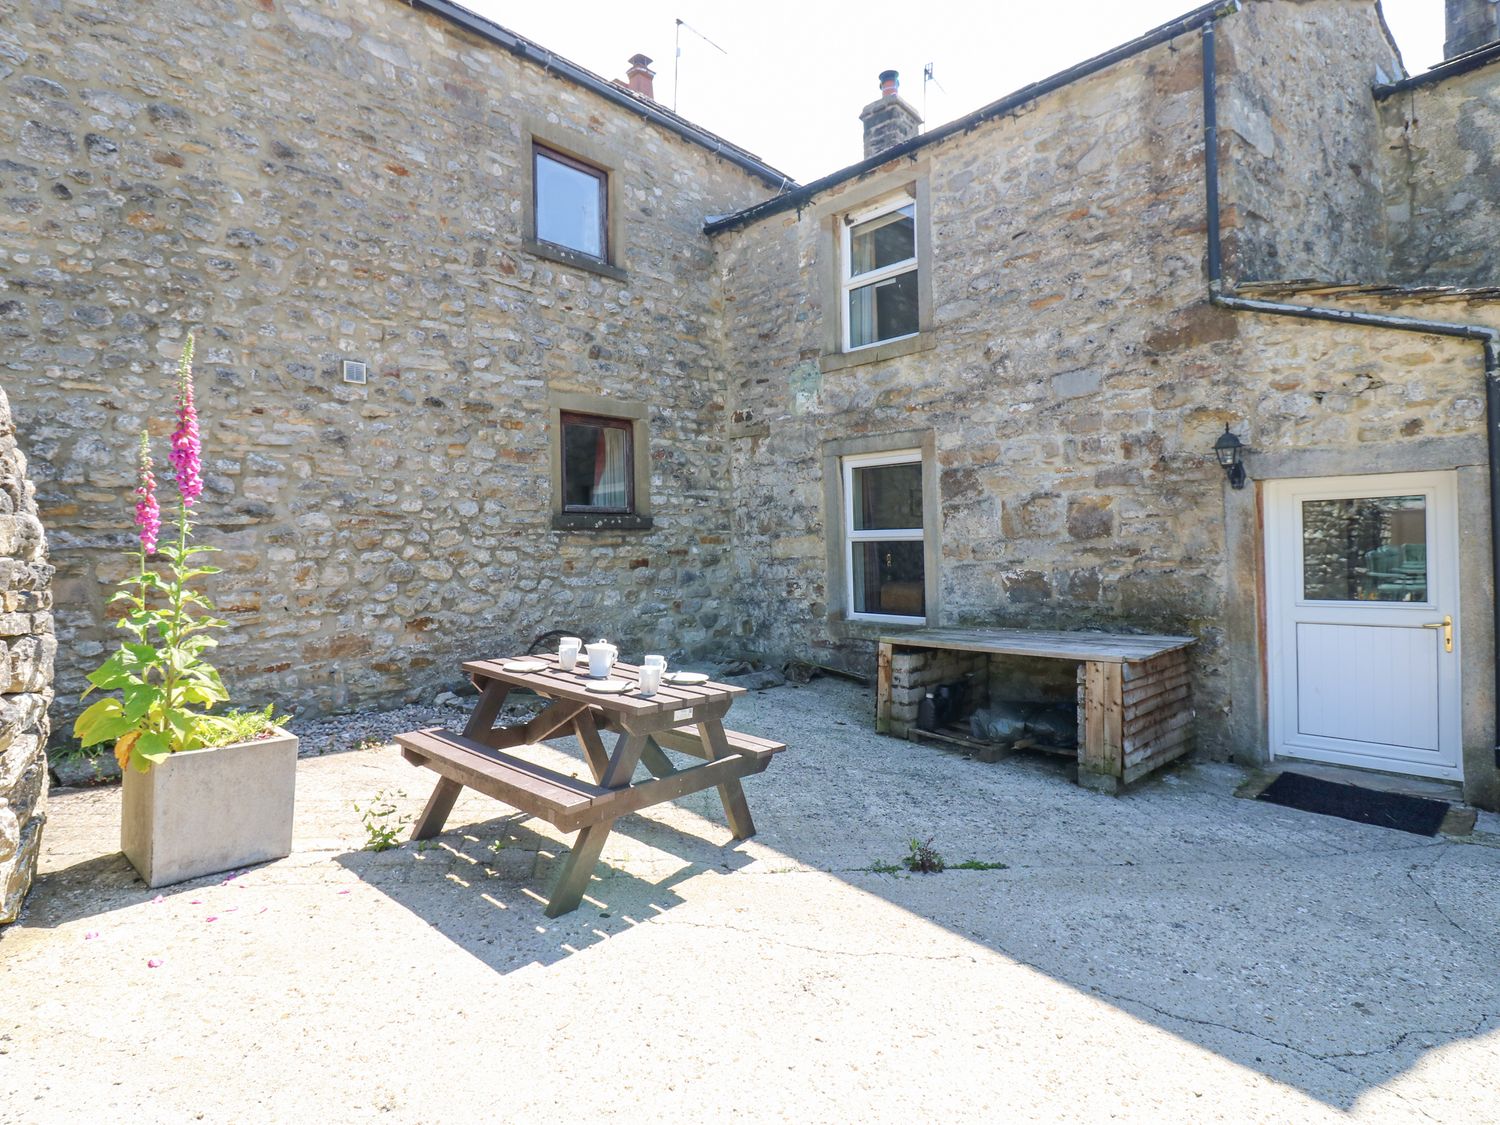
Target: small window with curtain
{"points": [[571, 203], [598, 470], [881, 300]]}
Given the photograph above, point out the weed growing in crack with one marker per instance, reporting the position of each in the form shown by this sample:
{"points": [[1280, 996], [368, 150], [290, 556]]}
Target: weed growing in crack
{"points": [[923, 857], [381, 830]]}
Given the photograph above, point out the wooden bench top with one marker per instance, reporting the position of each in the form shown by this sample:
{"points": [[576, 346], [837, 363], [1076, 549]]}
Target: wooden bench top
{"points": [[554, 683], [1106, 648]]}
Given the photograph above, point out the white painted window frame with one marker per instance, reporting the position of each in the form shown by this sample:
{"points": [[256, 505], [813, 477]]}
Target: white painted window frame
{"points": [[853, 537], [849, 283]]}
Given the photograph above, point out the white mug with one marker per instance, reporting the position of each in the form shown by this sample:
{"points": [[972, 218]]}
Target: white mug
{"points": [[567, 653], [650, 676], [602, 657], [656, 661]]}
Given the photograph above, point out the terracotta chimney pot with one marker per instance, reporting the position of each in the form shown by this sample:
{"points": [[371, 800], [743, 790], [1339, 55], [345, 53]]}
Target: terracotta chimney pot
{"points": [[639, 76]]}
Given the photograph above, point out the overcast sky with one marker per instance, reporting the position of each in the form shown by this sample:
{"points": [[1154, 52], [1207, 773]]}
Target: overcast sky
{"points": [[797, 72]]}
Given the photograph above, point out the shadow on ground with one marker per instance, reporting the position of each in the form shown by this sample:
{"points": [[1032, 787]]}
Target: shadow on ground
{"points": [[474, 884]]}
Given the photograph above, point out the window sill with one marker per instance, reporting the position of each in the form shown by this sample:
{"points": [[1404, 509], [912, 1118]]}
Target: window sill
{"points": [[573, 258], [837, 361], [600, 521]]}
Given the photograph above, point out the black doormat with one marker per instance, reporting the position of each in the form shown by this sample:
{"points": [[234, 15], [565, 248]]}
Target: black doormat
{"points": [[1420, 815]]}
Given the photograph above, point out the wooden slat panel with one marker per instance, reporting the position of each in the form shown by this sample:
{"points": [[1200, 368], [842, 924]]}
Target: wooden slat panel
{"points": [[1100, 745], [1105, 647], [1137, 712], [1142, 741], [1175, 747], [1142, 690]]}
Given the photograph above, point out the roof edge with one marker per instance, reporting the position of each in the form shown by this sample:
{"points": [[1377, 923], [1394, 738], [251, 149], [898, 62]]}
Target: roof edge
{"points": [[1449, 68], [487, 29], [797, 197]]}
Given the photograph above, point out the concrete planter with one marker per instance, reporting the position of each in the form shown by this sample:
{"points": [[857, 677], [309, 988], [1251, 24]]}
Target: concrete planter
{"points": [[205, 811]]}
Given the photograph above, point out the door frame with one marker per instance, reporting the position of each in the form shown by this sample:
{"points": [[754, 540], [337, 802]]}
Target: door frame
{"points": [[1440, 487]]}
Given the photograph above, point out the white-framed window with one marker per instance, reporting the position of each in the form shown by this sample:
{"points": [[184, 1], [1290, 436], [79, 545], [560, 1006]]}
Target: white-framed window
{"points": [[885, 537], [880, 286]]}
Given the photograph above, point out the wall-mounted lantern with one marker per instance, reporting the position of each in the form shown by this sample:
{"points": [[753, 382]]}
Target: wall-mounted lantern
{"points": [[1229, 451]]}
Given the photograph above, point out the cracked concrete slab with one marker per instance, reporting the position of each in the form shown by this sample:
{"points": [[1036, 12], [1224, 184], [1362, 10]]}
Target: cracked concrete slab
{"points": [[1171, 955]]}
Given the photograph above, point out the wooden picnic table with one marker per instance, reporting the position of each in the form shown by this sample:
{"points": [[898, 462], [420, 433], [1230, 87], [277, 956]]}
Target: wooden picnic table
{"points": [[493, 759]]}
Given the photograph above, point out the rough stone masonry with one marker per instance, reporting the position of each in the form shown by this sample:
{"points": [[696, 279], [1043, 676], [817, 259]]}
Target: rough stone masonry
{"points": [[308, 182], [27, 648]]}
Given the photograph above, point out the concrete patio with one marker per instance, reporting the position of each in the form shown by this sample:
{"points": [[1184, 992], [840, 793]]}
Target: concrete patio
{"points": [[1175, 954]]}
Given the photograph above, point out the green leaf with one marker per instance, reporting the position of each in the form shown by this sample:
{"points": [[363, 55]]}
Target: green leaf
{"points": [[111, 675], [149, 749], [105, 721], [139, 699]]}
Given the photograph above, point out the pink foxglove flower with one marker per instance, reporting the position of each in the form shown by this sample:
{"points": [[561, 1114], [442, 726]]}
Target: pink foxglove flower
{"points": [[187, 449], [147, 511]]}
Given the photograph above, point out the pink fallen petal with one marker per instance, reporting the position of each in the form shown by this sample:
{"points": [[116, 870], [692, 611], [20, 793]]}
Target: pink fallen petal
{"points": [[212, 918], [196, 901], [91, 935], [158, 900], [344, 891], [154, 963], [230, 909], [263, 909]]}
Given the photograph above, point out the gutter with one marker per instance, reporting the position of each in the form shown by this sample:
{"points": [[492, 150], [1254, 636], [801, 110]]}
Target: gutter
{"points": [[1487, 336], [1451, 68], [798, 197], [555, 64]]}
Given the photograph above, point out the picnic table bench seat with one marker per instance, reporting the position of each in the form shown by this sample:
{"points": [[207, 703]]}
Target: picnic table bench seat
{"points": [[555, 797], [690, 742]]}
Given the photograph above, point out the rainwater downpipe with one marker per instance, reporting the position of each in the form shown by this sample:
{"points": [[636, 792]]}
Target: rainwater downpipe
{"points": [[1488, 337]]}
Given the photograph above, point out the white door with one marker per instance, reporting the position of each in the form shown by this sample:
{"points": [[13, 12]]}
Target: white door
{"points": [[1362, 622]]}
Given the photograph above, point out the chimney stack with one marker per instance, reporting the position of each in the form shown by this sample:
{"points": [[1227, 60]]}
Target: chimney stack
{"points": [[639, 76], [890, 120], [1470, 24]]}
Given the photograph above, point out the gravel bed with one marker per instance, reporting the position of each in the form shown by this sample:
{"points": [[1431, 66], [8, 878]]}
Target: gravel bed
{"points": [[362, 729]]}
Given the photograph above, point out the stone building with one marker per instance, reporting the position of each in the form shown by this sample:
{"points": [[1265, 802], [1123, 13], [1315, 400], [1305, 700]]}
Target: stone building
{"points": [[623, 377]]}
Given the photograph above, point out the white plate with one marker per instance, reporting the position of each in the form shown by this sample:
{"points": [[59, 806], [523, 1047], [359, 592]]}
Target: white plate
{"points": [[608, 687], [685, 678], [524, 665]]}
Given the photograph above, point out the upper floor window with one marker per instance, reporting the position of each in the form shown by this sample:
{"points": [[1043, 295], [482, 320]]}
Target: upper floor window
{"points": [[571, 202], [880, 275]]}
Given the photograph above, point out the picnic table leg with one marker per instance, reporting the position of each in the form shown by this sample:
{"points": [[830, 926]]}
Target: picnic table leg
{"points": [[492, 695], [736, 810], [573, 880], [593, 746], [439, 805], [577, 869], [656, 761]]}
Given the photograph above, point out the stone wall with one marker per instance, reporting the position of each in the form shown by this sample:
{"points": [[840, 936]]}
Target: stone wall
{"points": [[308, 182], [27, 648], [1443, 180], [1301, 141], [1075, 383]]}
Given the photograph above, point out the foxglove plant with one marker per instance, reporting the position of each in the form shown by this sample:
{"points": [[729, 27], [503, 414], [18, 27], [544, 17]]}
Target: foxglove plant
{"points": [[165, 686]]}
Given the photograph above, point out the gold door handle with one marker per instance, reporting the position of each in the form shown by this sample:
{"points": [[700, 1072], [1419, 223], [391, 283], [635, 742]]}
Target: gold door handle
{"points": [[1446, 625]]}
